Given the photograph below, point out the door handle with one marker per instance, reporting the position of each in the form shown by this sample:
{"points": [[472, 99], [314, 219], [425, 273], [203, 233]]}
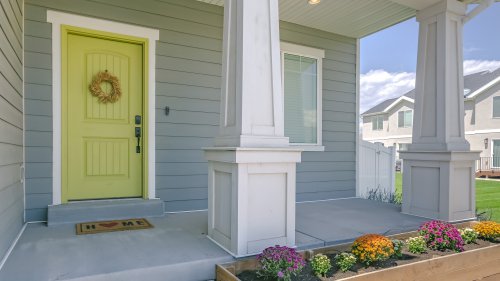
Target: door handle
{"points": [[138, 136]]}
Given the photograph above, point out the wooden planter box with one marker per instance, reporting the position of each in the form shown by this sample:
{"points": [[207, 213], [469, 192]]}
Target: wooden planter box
{"points": [[479, 264]]}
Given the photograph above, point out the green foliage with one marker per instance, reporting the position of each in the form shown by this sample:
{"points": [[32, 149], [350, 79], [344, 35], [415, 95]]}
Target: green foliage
{"points": [[345, 261], [488, 199], [469, 235], [416, 245], [398, 248], [382, 195], [320, 265]]}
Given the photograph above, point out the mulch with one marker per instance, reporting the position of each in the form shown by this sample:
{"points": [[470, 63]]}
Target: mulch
{"points": [[334, 274]]}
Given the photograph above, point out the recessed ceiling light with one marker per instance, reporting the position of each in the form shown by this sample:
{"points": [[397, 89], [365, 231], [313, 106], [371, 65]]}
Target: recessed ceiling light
{"points": [[313, 2]]}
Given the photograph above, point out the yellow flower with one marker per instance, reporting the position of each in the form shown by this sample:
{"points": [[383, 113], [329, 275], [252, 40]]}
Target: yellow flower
{"points": [[489, 230]]}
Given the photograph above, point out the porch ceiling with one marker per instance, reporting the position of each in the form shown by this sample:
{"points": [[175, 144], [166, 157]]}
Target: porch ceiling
{"points": [[352, 18]]}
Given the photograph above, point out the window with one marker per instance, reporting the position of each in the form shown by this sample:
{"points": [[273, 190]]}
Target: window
{"points": [[377, 123], [496, 153], [302, 70], [496, 107], [403, 146], [405, 118]]}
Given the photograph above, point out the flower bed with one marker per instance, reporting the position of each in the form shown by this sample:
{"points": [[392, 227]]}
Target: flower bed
{"points": [[386, 259]]}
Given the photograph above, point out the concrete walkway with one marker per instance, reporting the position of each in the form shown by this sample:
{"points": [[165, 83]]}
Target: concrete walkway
{"points": [[177, 248], [339, 221]]}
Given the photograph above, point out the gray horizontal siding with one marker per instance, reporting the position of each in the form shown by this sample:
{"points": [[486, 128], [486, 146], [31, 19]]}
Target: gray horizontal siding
{"points": [[188, 61], [11, 122], [330, 174]]}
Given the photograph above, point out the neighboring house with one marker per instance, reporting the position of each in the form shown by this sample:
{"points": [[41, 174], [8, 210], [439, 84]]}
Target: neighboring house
{"points": [[391, 122], [200, 120]]}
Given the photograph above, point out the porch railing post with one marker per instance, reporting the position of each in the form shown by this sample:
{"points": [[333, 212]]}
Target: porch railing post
{"points": [[251, 166]]}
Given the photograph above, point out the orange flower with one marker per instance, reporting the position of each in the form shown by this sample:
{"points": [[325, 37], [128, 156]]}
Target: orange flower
{"points": [[371, 248]]}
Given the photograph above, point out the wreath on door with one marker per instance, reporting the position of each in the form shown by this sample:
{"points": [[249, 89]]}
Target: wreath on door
{"points": [[96, 90]]}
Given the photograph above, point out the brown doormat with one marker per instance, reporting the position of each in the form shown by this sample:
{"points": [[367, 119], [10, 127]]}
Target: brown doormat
{"points": [[110, 226]]}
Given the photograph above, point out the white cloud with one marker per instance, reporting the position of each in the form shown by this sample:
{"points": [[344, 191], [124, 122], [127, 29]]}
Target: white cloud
{"points": [[473, 66], [379, 85]]}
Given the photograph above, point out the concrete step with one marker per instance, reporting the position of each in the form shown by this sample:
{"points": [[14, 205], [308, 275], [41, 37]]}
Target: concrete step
{"points": [[99, 210], [195, 270]]}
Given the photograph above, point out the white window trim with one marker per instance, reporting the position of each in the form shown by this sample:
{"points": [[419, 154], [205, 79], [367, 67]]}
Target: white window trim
{"points": [[57, 19], [319, 55], [404, 117]]}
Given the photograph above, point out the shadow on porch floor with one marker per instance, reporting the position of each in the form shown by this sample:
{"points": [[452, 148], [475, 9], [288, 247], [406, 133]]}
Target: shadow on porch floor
{"points": [[177, 248]]}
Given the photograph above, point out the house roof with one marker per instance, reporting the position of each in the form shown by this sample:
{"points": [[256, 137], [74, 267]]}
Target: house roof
{"points": [[385, 105], [474, 84], [352, 18]]}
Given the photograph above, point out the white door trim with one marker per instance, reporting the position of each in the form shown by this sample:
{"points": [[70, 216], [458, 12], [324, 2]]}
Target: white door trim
{"points": [[57, 19]]}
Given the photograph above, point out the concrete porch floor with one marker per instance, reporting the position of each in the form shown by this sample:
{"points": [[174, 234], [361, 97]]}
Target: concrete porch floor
{"points": [[177, 248]]}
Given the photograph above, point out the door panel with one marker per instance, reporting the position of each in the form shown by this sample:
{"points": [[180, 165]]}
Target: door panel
{"points": [[101, 145]]}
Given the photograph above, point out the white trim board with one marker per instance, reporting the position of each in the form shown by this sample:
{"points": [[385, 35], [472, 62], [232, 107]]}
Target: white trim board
{"points": [[12, 246], [478, 132], [398, 101], [358, 123], [57, 19], [388, 138]]}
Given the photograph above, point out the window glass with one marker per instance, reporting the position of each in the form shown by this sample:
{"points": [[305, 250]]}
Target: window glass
{"points": [[300, 87], [403, 146], [408, 118], [496, 153], [496, 107], [377, 123], [405, 118]]}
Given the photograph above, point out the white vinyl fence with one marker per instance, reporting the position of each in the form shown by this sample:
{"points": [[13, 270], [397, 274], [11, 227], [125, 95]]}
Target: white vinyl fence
{"points": [[377, 169]]}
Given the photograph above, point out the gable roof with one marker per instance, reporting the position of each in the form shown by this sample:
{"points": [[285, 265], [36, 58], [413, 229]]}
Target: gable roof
{"points": [[388, 104], [474, 84]]}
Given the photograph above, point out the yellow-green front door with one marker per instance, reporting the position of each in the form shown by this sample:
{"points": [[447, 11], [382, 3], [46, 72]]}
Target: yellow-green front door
{"points": [[100, 157]]}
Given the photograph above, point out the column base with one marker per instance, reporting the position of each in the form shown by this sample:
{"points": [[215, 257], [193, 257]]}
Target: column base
{"points": [[251, 198], [439, 185]]}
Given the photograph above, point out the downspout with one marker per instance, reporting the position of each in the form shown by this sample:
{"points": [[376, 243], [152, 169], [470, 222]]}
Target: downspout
{"points": [[485, 4]]}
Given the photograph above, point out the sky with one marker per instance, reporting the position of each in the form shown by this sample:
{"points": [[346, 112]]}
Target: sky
{"points": [[389, 57]]}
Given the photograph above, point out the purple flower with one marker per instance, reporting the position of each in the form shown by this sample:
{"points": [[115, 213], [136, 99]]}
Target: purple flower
{"points": [[441, 235], [279, 261]]}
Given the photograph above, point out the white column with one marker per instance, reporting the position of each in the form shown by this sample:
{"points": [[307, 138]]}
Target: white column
{"points": [[438, 179], [439, 87], [251, 102], [251, 173]]}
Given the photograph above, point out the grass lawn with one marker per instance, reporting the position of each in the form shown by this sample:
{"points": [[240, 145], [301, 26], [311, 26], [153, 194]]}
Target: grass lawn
{"points": [[487, 196]]}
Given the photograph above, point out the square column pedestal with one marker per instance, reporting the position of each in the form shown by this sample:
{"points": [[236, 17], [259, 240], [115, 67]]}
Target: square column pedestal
{"points": [[251, 198], [439, 185]]}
